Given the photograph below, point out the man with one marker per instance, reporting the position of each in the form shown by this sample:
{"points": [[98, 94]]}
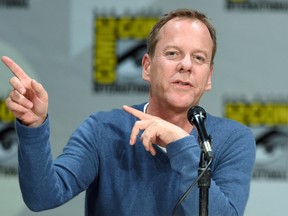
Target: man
{"points": [[149, 177]]}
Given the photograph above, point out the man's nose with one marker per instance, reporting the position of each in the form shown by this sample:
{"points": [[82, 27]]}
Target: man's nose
{"points": [[185, 64]]}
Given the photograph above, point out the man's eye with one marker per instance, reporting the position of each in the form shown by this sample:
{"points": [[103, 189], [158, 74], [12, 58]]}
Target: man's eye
{"points": [[199, 59], [171, 53]]}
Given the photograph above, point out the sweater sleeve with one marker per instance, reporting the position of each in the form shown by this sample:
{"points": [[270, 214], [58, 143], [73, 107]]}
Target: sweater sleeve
{"points": [[46, 183], [231, 169]]}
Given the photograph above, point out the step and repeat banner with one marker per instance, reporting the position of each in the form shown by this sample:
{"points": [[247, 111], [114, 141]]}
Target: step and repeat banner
{"points": [[87, 54]]}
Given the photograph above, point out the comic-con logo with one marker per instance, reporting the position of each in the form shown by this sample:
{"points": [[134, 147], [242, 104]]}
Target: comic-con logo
{"points": [[119, 45], [8, 141], [257, 5], [269, 122]]}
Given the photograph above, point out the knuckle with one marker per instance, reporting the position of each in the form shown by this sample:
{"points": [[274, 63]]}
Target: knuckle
{"points": [[14, 95], [137, 124]]}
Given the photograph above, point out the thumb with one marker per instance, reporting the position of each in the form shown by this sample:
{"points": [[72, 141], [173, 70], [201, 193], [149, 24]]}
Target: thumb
{"points": [[39, 90]]}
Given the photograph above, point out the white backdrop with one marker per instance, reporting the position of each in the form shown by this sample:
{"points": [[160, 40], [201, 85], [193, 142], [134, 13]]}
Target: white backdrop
{"points": [[53, 41]]}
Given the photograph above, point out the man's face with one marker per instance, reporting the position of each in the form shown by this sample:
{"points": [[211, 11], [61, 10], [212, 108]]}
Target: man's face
{"points": [[181, 70]]}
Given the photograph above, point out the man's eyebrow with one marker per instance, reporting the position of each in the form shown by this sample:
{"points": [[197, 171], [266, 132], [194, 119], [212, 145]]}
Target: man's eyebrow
{"points": [[171, 46], [202, 51]]}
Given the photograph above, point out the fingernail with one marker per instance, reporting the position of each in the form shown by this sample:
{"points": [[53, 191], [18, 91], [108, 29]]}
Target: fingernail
{"points": [[131, 142], [22, 90], [29, 105], [33, 80]]}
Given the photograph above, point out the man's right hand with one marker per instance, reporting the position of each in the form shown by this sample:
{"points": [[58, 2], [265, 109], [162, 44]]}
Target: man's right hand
{"points": [[28, 100]]}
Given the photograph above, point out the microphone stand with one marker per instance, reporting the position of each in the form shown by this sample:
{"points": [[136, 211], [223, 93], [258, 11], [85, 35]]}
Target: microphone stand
{"points": [[197, 116], [204, 184]]}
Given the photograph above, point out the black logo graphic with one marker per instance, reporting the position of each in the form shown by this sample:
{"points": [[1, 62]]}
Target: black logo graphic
{"points": [[14, 3], [8, 149], [257, 5]]}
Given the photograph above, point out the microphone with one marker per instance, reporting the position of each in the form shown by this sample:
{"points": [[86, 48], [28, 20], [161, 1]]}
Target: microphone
{"points": [[197, 116]]}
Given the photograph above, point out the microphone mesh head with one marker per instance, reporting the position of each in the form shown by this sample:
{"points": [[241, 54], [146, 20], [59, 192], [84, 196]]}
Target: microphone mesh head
{"points": [[194, 111]]}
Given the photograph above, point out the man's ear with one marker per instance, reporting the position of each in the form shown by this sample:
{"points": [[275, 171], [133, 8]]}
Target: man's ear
{"points": [[146, 62], [209, 81]]}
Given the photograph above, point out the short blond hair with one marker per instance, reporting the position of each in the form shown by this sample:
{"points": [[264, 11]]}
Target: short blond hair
{"points": [[182, 13]]}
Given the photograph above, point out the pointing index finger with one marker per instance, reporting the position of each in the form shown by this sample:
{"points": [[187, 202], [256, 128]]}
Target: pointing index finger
{"points": [[139, 114], [15, 68]]}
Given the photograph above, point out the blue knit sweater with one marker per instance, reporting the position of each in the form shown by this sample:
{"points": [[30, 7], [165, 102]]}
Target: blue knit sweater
{"points": [[120, 179]]}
